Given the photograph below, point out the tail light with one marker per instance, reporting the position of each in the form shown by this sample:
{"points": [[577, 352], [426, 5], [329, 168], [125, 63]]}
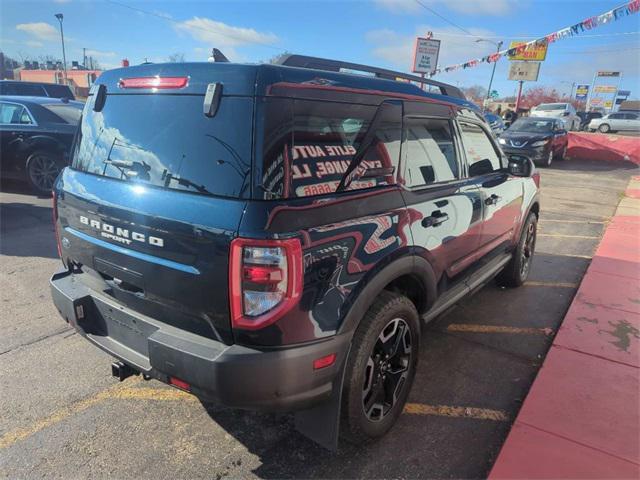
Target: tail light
{"points": [[153, 82], [265, 280], [54, 206]]}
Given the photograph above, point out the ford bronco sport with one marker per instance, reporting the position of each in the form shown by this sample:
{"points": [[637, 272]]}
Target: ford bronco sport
{"points": [[274, 237]]}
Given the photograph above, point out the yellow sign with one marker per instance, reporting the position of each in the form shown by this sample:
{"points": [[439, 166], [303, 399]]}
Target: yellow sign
{"points": [[608, 104], [605, 89], [534, 52]]}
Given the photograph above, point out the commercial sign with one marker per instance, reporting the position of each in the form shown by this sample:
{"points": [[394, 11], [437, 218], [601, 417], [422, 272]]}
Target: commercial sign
{"points": [[608, 104], [596, 102], [425, 55], [535, 53], [525, 71], [608, 74], [582, 91], [605, 89], [624, 93]]}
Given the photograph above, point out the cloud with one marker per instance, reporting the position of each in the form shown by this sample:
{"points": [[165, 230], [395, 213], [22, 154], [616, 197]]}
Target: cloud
{"points": [[99, 53], [34, 44], [465, 7], [397, 49], [39, 30], [219, 34]]}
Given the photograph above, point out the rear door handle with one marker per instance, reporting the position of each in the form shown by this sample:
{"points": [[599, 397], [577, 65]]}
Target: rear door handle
{"points": [[492, 200], [435, 219]]}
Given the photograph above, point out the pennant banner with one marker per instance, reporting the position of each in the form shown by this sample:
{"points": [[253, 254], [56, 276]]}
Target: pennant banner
{"points": [[590, 23]]}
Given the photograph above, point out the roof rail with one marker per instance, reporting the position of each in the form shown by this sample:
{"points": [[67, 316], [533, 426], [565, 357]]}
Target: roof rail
{"points": [[303, 61]]}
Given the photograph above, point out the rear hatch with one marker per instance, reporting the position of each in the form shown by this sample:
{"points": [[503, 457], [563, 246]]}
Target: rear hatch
{"points": [[156, 191]]}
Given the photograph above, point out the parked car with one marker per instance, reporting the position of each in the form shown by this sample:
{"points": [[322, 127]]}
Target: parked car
{"points": [[565, 111], [36, 134], [35, 89], [616, 122], [250, 234], [496, 123], [541, 139], [586, 117]]}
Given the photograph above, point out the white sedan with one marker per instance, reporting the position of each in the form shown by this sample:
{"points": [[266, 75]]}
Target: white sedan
{"points": [[616, 122]]}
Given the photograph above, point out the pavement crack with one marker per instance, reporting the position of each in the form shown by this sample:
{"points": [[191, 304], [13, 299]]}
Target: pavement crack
{"points": [[38, 339]]}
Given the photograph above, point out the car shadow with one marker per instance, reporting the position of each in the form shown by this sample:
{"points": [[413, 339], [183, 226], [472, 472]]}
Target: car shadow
{"points": [[608, 161], [26, 230], [15, 186]]}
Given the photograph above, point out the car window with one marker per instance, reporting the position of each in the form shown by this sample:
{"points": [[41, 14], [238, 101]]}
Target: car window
{"points": [[630, 116], [59, 91], [482, 156], [68, 113], [12, 113], [23, 89], [308, 145], [428, 152], [616, 116]]}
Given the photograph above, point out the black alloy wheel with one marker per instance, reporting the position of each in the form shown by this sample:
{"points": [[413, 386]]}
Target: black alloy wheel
{"points": [[42, 170], [387, 369]]}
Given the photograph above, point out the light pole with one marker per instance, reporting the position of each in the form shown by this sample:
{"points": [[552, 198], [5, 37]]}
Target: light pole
{"points": [[493, 71], [59, 16]]}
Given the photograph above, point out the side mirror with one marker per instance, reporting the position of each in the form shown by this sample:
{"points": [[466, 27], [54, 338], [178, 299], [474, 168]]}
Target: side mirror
{"points": [[482, 167], [520, 166]]}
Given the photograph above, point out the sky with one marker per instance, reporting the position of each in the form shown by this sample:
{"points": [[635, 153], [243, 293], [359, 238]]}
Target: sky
{"points": [[376, 32]]}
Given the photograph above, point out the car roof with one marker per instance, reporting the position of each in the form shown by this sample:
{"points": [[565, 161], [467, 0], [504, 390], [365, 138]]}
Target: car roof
{"points": [[39, 100], [553, 119], [265, 79]]}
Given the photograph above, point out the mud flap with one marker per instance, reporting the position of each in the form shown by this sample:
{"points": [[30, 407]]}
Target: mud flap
{"points": [[321, 423]]}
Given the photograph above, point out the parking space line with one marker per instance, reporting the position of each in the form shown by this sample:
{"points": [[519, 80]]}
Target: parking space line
{"points": [[562, 235], [595, 222], [471, 328], [458, 412], [531, 283], [18, 434], [169, 394]]}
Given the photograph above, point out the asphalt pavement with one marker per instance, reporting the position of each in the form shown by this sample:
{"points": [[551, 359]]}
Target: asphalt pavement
{"points": [[63, 415]]}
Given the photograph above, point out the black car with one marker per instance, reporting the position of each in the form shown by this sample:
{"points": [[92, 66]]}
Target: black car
{"points": [[586, 117], [36, 134], [35, 89], [273, 236], [541, 139], [496, 123]]}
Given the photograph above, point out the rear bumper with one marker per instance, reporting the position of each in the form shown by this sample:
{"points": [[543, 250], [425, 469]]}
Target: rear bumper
{"points": [[231, 375]]}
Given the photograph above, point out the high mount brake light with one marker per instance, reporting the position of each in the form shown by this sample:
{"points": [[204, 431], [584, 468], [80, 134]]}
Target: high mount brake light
{"points": [[265, 280], [154, 82]]}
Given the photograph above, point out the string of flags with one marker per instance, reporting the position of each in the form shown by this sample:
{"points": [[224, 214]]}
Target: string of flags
{"points": [[615, 14]]}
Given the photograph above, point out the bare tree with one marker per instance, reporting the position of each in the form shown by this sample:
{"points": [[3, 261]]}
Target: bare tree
{"points": [[176, 58]]}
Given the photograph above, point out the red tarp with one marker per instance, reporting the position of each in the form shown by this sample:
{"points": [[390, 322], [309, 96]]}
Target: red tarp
{"points": [[597, 146]]}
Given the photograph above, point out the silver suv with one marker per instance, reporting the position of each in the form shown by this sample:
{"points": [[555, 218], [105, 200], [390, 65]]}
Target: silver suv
{"points": [[565, 111]]}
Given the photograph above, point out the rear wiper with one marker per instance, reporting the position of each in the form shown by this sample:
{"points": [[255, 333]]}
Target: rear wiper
{"points": [[168, 177], [369, 137]]}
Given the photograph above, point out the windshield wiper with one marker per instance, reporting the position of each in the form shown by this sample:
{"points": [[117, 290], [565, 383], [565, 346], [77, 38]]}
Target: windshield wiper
{"points": [[367, 140], [168, 177]]}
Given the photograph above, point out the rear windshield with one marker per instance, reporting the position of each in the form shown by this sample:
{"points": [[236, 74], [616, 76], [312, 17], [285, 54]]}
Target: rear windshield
{"points": [[22, 89], [167, 141], [59, 91], [552, 106], [68, 113]]}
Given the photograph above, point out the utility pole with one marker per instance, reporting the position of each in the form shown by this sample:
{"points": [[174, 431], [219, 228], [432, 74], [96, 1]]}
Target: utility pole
{"points": [[493, 72], [84, 58], [59, 16], [519, 96]]}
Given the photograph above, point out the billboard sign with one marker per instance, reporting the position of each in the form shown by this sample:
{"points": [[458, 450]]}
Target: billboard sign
{"points": [[425, 55], [535, 53], [582, 91], [624, 93], [608, 74], [525, 71], [605, 89]]}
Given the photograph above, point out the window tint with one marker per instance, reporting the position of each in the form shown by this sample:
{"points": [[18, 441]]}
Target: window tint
{"points": [[308, 145], [59, 91], [616, 116], [630, 116], [428, 152], [67, 113], [481, 154], [14, 114], [166, 141], [23, 89]]}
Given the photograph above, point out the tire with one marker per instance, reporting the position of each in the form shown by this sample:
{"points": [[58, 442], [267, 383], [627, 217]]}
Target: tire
{"points": [[42, 170], [517, 270], [604, 128], [371, 403]]}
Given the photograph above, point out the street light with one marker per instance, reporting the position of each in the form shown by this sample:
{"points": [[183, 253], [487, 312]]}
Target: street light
{"points": [[498, 46], [59, 16]]}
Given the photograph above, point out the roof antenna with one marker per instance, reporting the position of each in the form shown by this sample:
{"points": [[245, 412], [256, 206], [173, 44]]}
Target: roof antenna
{"points": [[217, 56]]}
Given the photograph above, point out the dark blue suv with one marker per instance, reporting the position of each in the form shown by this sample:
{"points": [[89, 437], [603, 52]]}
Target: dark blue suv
{"points": [[274, 236]]}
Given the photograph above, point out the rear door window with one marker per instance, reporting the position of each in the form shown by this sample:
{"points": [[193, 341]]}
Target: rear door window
{"points": [[23, 89], [307, 146], [166, 141], [428, 152]]}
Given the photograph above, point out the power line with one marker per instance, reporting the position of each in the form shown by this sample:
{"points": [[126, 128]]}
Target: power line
{"points": [[209, 30], [524, 37], [445, 19]]}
